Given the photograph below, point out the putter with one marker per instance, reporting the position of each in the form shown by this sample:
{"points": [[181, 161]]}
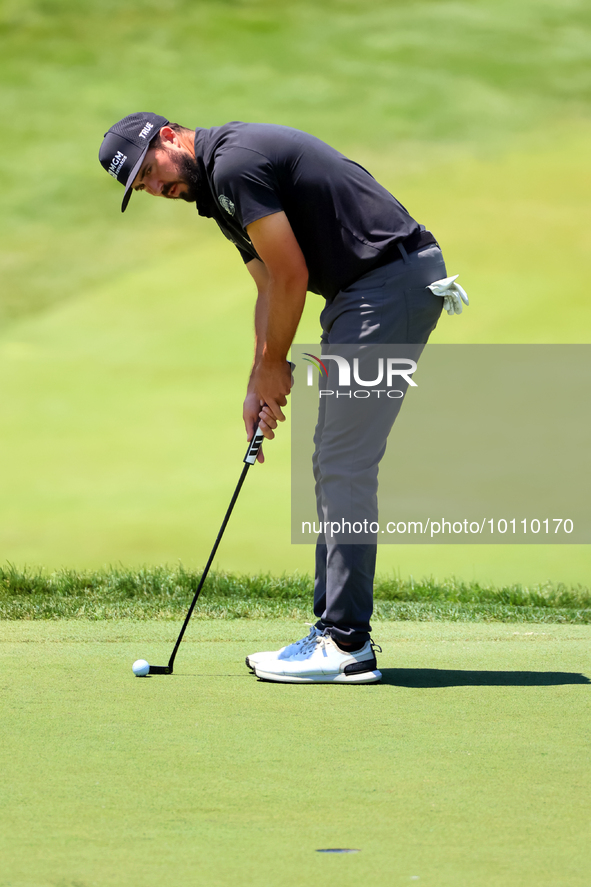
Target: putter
{"points": [[250, 458]]}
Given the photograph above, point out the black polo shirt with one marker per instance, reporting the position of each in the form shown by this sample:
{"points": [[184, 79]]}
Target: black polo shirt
{"points": [[344, 221]]}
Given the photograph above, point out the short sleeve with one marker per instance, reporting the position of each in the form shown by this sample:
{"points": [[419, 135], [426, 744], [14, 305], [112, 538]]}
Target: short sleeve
{"points": [[246, 185], [246, 257], [245, 248]]}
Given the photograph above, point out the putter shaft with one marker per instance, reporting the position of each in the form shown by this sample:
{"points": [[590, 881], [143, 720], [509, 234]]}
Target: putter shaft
{"points": [[249, 459]]}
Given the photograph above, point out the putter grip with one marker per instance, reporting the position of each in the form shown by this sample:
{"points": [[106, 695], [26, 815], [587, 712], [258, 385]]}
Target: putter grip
{"points": [[254, 446]]}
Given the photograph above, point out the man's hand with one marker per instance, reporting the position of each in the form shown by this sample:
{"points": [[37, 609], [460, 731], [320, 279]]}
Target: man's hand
{"points": [[269, 386], [271, 382]]}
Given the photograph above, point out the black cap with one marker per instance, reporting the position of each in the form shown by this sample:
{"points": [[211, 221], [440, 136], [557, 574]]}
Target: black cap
{"points": [[126, 144]]}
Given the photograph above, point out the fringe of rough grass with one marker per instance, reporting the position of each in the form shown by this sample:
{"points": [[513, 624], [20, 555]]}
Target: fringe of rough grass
{"points": [[165, 593]]}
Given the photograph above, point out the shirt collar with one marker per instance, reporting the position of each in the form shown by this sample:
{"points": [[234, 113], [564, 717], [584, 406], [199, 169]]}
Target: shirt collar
{"points": [[205, 202]]}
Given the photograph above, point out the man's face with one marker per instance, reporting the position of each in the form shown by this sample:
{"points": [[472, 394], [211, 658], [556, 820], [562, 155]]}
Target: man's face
{"points": [[168, 171]]}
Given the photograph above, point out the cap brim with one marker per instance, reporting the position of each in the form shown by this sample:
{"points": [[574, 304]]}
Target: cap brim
{"points": [[132, 175]]}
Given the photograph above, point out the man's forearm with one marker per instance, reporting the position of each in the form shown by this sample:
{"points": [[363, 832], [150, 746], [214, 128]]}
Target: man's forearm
{"points": [[278, 312], [281, 275], [285, 303], [261, 314]]}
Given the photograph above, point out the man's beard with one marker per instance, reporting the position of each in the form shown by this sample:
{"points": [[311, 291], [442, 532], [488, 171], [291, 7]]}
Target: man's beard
{"points": [[188, 173]]}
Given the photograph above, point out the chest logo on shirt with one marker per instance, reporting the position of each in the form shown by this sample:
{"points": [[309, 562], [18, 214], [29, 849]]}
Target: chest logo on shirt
{"points": [[227, 204]]}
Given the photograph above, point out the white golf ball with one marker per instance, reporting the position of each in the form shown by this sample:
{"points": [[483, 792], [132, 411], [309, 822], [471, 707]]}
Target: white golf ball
{"points": [[140, 668]]}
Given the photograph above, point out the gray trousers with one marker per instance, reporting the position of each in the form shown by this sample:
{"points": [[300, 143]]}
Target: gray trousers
{"points": [[390, 305]]}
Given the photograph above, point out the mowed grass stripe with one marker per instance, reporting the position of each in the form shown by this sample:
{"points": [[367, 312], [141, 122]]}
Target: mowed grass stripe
{"points": [[164, 593]]}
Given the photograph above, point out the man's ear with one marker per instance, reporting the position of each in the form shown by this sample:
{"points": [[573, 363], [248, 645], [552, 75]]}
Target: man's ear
{"points": [[168, 135]]}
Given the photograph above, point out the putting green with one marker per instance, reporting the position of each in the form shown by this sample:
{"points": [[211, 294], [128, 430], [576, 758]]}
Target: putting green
{"points": [[468, 765]]}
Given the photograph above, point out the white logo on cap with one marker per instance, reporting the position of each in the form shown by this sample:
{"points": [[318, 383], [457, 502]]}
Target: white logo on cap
{"points": [[227, 204], [147, 128], [116, 164]]}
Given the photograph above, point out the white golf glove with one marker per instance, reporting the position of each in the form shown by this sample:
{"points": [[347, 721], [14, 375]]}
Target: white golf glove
{"points": [[452, 292]]}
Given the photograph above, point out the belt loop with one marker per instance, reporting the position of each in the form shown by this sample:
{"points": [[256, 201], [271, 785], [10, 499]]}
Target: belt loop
{"points": [[403, 253]]}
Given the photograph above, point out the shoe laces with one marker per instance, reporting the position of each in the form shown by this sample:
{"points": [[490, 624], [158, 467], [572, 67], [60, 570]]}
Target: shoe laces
{"points": [[314, 640], [310, 637], [322, 638]]}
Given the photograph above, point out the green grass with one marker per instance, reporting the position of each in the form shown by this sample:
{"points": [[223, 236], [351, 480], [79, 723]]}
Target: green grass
{"points": [[468, 765], [124, 348], [108, 398], [164, 593], [435, 74], [126, 339]]}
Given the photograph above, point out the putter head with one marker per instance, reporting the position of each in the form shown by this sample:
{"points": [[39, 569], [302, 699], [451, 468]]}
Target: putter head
{"points": [[160, 669]]}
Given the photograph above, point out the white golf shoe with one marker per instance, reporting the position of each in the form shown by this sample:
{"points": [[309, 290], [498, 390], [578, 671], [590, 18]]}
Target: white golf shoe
{"points": [[285, 652], [320, 661]]}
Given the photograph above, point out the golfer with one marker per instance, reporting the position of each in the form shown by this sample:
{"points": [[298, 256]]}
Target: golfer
{"points": [[304, 218]]}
